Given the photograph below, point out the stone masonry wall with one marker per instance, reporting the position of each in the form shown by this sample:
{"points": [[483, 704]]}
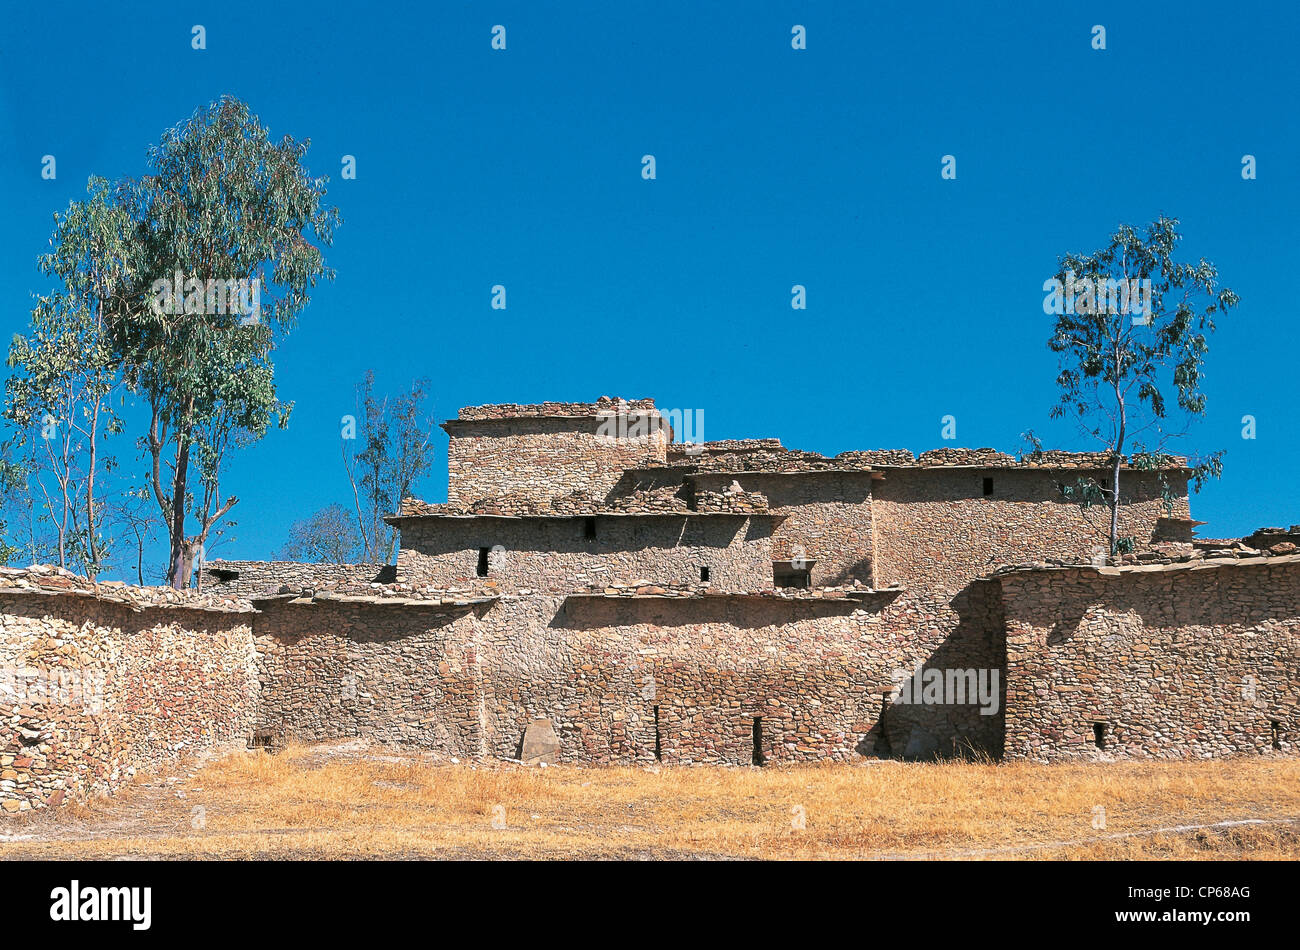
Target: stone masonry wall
{"points": [[615, 674], [93, 691], [934, 528], [819, 676], [401, 674], [1172, 663], [267, 577], [828, 519], [540, 458], [554, 554]]}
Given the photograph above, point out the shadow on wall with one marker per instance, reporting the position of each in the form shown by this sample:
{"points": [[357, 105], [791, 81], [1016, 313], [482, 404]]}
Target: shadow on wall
{"points": [[969, 719], [965, 720], [592, 613], [357, 622], [859, 571], [566, 534], [648, 479]]}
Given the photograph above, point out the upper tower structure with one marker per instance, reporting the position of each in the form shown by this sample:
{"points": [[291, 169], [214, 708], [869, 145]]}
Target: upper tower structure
{"points": [[539, 452]]}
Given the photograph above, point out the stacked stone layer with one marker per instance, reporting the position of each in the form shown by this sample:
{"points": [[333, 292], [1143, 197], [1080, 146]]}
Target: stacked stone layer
{"points": [[93, 689]]}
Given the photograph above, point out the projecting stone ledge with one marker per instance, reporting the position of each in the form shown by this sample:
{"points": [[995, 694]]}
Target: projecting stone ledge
{"points": [[646, 589], [49, 580], [1237, 556]]}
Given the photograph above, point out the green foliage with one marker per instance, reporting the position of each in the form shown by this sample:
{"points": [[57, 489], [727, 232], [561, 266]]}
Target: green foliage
{"points": [[222, 206], [1085, 493], [13, 477], [1143, 363], [1123, 368], [1033, 446], [58, 397], [225, 204]]}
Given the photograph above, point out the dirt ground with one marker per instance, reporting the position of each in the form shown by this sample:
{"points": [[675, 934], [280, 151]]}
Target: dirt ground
{"points": [[349, 801]]}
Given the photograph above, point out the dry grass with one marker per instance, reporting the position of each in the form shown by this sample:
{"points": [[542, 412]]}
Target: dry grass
{"points": [[306, 802]]}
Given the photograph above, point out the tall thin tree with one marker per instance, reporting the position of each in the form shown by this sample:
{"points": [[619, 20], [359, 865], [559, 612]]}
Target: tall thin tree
{"points": [[1132, 332]]}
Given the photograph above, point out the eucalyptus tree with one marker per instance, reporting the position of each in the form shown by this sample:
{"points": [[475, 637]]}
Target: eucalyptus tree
{"points": [[230, 227], [1132, 333], [60, 395]]}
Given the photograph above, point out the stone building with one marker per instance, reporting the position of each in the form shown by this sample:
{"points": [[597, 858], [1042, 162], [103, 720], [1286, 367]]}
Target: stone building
{"points": [[594, 591], [735, 602]]}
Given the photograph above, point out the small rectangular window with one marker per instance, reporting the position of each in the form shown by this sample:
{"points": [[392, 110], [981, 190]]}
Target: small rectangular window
{"points": [[1099, 735], [1275, 728], [659, 752], [790, 577], [704, 575], [483, 561], [589, 528], [988, 486], [759, 758]]}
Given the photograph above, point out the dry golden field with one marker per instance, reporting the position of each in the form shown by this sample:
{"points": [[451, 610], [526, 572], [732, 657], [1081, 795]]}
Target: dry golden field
{"points": [[353, 802]]}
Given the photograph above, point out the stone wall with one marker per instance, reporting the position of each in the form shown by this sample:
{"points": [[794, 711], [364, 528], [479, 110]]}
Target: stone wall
{"points": [[827, 519], [1185, 657], [632, 679], [935, 528], [1169, 661], [402, 674], [542, 457], [553, 410], [92, 691], [255, 578], [555, 554]]}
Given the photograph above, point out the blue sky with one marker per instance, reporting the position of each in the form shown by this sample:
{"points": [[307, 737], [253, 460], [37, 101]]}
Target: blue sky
{"points": [[775, 167]]}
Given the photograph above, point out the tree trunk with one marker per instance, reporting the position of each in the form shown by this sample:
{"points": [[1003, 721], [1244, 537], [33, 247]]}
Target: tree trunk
{"points": [[177, 570], [92, 548], [1119, 454], [1114, 507]]}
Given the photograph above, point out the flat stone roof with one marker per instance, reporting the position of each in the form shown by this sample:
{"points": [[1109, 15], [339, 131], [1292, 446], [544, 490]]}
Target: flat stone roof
{"points": [[1236, 555], [49, 580], [390, 597], [647, 590], [683, 513], [794, 461], [719, 446], [639, 504], [501, 412]]}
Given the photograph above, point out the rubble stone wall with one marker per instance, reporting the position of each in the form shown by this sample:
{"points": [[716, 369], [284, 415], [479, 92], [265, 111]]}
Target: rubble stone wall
{"points": [[401, 674], [554, 554], [690, 677], [1168, 663], [541, 458], [94, 691], [935, 528], [828, 519], [1180, 659], [256, 578], [634, 679]]}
